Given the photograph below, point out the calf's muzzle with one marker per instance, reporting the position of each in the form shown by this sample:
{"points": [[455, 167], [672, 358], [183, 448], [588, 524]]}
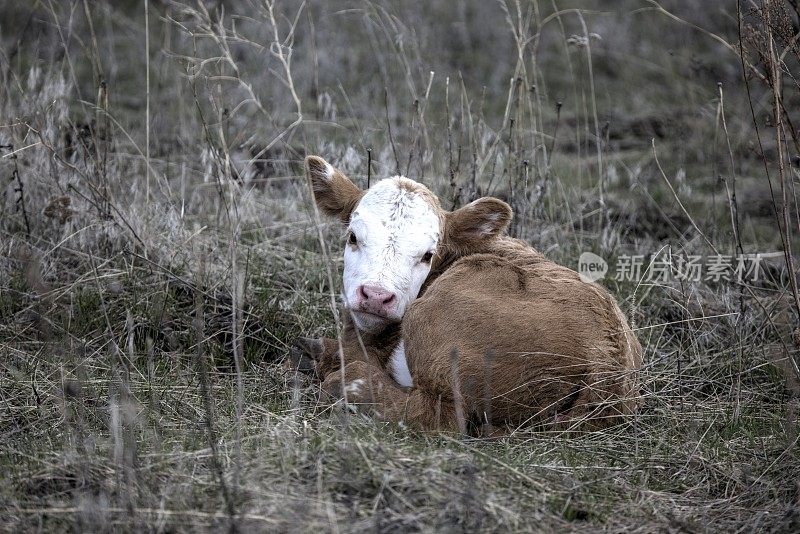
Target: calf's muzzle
{"points": [[376, 300]]}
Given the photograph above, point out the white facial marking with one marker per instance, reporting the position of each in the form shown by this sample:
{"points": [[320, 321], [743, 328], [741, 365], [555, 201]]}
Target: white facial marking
{"points": [[398, 366], [392, 230]]}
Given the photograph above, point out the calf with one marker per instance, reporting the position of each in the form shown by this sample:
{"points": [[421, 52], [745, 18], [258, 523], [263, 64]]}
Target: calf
{"points": [[452, 324]]}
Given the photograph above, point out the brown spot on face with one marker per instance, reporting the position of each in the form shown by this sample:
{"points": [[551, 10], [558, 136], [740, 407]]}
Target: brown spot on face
{"points": [[418, 189]]}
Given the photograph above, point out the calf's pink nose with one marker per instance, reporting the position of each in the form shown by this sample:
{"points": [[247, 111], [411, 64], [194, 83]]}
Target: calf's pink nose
{"points": [[376, 299]]}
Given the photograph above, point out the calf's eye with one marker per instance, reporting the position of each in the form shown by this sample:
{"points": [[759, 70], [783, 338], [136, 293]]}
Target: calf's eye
{"points": [[427, 257], [351, 239]]}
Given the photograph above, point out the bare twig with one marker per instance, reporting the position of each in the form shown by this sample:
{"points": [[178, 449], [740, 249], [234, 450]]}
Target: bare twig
{"points": [[19, 189], [205, 393], [147, 96]]}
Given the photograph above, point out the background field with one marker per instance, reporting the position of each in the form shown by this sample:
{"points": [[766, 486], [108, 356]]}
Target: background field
{"points": [[159, 253]]}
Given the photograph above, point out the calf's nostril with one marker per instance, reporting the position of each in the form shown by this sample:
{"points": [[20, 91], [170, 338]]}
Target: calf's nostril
{"points": [[362, 293]]}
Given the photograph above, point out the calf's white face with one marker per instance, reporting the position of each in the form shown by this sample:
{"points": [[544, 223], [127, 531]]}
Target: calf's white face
{"points": [[394, 232], [392, 236]]}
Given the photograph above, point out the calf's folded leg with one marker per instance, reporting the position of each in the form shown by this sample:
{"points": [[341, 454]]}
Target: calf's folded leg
{"points": [[315, 356], [369, 387]]}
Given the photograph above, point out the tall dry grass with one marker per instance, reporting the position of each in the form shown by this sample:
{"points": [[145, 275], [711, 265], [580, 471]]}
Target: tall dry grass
{"points": [[160, 252]]}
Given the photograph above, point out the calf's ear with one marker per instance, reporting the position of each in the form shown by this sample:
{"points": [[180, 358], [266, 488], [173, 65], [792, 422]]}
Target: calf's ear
{"points": [[477, 222], [333, 192]]}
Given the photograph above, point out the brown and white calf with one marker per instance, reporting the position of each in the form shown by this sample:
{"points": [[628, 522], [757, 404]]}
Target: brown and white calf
{"points": [[453, 324]]}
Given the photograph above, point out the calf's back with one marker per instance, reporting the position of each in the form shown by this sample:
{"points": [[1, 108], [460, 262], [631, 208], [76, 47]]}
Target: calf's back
{"points": [[531, 342]]}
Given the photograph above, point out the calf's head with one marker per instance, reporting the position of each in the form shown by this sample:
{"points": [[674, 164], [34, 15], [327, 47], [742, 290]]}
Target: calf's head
{"points": [[397, 232]]}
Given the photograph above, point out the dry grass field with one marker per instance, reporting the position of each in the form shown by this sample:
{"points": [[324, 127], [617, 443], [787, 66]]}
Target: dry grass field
{"points": [[159, 253]]}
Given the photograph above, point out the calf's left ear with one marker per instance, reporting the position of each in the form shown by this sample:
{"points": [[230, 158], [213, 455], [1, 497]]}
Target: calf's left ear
{"points": [[478, 221], [334, 193]]}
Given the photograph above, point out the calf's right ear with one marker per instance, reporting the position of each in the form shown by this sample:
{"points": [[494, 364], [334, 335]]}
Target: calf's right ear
{"points": [[333, 192], [470, 227]]}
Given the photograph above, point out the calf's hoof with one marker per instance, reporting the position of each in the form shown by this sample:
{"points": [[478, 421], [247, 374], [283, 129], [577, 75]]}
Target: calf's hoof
{"points": [[304, 354]]}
